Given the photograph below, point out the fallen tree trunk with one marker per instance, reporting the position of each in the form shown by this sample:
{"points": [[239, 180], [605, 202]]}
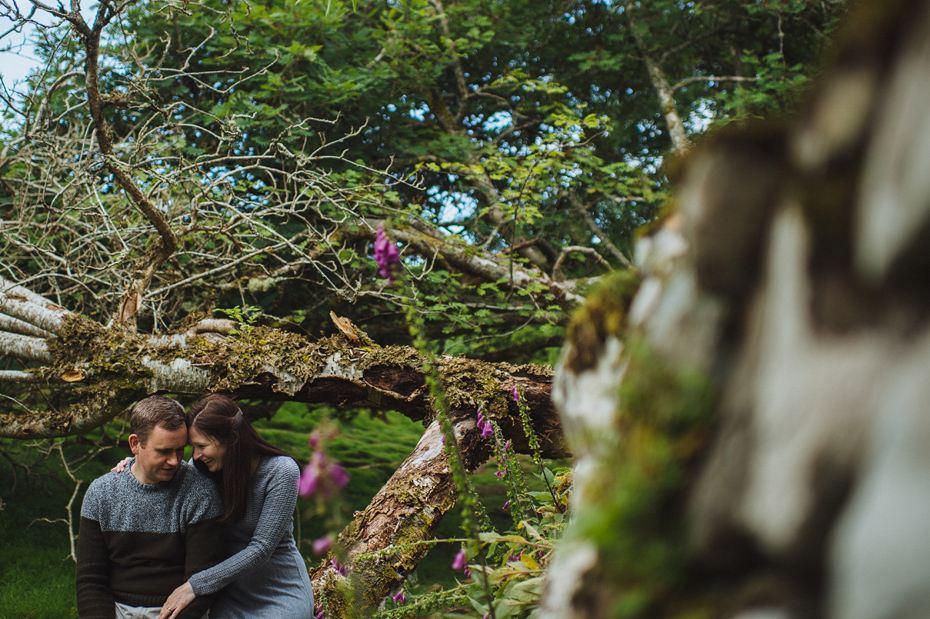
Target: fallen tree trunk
{"points": [[89, 374]]}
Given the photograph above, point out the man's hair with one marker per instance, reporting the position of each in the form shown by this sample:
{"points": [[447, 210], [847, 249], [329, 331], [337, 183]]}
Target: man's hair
{"points": [[156, 410]]}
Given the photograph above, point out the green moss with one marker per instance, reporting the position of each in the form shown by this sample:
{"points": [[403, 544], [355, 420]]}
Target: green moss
{"points": [[636, 515], [600, 317]]}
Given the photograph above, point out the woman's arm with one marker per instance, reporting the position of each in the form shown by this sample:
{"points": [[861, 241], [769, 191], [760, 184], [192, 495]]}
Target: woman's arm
{"points": [[274, 522]]}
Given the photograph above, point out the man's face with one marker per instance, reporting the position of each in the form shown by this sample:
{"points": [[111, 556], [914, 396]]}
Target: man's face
{"points": [[160, 457]]}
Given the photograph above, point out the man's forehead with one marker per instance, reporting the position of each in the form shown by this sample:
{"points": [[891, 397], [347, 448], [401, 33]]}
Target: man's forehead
{"points": [[164, 436]]}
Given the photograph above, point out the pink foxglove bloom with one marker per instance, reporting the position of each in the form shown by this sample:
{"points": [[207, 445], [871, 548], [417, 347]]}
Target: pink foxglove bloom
{"points": [[321, 475], [386, 255], [309, 481], [321, 545], [458, 563], [400, 598], [319, 613], [484, 425], [342, 569], [515, 393], [338, 475], [507, 504]]}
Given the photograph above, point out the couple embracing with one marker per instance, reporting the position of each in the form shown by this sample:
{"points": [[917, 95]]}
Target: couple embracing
{"points": [[161, 539]]}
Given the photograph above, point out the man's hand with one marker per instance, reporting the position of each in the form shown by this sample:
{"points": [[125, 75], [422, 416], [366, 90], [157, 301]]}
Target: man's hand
{"points": [[179, 598]]}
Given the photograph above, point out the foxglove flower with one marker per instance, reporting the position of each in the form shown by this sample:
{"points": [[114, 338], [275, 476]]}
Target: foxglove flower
{"points": [[309, 481], [321, 545], [515, 393], [342, 569], [321, 475], [400, 598], [386, 255], [458, 564], [484, 425], [507, 504], [338, 475]]}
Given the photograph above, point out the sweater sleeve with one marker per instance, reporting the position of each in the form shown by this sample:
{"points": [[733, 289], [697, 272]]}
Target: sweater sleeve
{"points": [[94, 598], [274, 522]]}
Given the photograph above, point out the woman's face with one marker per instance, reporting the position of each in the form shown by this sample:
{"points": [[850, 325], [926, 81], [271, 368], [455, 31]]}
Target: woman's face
{"points": [[207, 450]]}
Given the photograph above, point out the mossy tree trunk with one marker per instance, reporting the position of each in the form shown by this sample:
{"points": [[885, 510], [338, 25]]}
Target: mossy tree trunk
{"points": [[81, 374], [751, 426], [387, 540]]}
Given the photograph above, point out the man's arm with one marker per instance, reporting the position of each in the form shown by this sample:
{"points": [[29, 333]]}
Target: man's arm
{"points": [[205, 546], [94, 598]]}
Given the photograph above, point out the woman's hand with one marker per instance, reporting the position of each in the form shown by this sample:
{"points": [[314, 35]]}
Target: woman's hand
{"points": [[179, 598], [121, 465]]}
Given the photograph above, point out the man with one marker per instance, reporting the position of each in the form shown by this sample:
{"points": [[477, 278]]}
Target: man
{"points": [[146, 530]]}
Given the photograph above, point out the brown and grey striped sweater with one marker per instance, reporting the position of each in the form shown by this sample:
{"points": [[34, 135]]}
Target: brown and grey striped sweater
{"points": [[138, 542]]}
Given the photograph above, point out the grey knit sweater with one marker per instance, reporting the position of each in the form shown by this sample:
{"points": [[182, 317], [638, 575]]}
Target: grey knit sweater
{"points": [[138, 542], [265, 576]]}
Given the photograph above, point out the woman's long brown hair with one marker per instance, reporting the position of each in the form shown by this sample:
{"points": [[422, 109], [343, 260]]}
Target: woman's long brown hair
{"points": [[219, 418]]}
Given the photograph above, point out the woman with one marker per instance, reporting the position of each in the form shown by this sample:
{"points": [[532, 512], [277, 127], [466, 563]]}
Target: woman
{"points": [[265, 575]]}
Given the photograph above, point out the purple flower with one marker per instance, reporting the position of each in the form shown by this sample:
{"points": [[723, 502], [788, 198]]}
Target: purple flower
{"points": [[308, 482], [342, 569], [458, 563], [319, 612], [467, 572], [400, 598], [314, 440], [386, 255], [506, 445], [484, 425], [338, 475], [515, 393], [499, 473], [507, 504], [321, 475], [322, 545]]}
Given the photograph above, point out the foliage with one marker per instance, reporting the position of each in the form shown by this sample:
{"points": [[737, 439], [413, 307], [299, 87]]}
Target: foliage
{"points": [[275, 137]]}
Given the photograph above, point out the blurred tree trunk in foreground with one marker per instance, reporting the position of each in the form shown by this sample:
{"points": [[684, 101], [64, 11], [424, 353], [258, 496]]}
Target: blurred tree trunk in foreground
{"points": [[766, 449]]}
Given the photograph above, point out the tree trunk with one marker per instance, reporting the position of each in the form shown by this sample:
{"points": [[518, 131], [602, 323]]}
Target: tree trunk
{"points": [[386, 541], [94, 373], [791, 281]]}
